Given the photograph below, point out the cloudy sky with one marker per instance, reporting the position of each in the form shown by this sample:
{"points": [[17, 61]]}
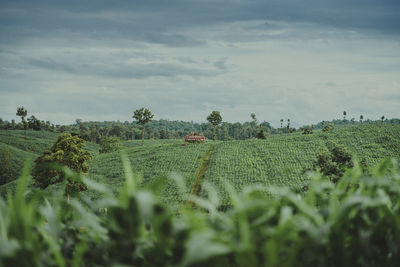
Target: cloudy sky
{"points": [[307, 60]]}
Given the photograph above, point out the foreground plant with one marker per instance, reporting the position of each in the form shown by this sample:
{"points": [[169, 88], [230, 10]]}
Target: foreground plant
{"points": [[355, 222]]}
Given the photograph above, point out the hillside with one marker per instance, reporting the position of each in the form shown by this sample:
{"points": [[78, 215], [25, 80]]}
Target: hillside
{"points": [[280, 160], [283, 160]]}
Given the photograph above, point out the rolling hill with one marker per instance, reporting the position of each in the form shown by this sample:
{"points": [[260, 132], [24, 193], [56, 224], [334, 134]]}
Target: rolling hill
{"points": [[280, 160]]}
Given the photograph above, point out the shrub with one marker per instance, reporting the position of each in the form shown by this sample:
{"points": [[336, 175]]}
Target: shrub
{"points": [[109, 144], [67, 151], [5, 170], [328, 127], [333, 163], [307, 129], [260, 134]]}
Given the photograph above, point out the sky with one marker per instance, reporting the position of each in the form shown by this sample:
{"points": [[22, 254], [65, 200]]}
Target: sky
{"points": [[307, 60]]}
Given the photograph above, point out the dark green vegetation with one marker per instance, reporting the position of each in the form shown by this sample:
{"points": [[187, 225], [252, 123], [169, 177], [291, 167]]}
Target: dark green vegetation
{"points": [[142, 117], [67, 151], [353, 223], [110, 144], [215, 119]]}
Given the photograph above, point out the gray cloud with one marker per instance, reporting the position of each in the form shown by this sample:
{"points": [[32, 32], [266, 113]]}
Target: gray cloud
{"points": [[303, 59], [129, 71], [157, 21]]}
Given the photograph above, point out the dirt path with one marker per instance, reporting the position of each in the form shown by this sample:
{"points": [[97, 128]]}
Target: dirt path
{"points": [[196, 188]]}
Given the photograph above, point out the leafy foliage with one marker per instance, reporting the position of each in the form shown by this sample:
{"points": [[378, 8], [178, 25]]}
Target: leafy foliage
{"points": [[307, 129], [328, 127], [67, 151], [143, 116], [22, 112], [330, 225], [5, 166], [334, 163], [215, 119], [261, 134], [109, 144]]}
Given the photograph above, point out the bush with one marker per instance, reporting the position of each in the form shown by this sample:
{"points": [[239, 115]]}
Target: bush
{"points": [[307, 129], [260, 134], [328, 127], [67, 151], [109, 144], [333, 163], [5, 169]]}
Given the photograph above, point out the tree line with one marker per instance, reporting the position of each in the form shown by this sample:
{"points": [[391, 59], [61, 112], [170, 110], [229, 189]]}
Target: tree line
{"points": [[95, 131]]}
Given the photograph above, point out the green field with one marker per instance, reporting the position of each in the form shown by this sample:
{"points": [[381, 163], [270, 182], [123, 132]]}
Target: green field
{"points": [[280, 160], [283, 160]]}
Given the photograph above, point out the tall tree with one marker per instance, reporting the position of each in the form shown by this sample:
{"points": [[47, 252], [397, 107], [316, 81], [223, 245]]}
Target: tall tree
{"points": [[344, 116], [382, 118], [143, 116], [361, 118], [22, 112], [215, 119], [254, 118]]}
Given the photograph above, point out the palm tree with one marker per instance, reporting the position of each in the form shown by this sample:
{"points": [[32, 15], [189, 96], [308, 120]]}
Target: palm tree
{"points": [[361, 118], [22, 112], [382, 118]]}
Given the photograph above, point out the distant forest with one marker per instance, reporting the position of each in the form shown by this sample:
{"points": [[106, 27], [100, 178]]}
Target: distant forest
{"points": [[164, 129]]}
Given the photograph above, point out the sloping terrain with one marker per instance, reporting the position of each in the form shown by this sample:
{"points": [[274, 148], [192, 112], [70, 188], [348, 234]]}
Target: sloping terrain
{"points": [[283, 160], [280, 160]]}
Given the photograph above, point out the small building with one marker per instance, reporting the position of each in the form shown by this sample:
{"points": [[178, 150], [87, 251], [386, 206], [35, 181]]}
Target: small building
{"points": [[194, 138]]}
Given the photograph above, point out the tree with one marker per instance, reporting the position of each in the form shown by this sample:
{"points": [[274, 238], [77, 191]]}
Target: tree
{"points": [[361, 118], [142, 116], [34, 123], [254, 118], [288, 125], [109, 144], [67, 151], [215, 119], [328, 127], [4, 166], [281, 123], [334, 163], [260, 134], [307, 129], [344, 116], [22, 112], [382, 118]]}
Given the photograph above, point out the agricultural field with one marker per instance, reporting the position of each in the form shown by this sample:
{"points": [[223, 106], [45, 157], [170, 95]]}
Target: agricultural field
{"points": [[283, 160], [280, 160], [154, 161]]}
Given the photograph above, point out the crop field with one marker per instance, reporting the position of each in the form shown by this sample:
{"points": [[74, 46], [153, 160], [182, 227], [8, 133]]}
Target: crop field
{"points": [[280, 160], [283, 160], [153, 161]]}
